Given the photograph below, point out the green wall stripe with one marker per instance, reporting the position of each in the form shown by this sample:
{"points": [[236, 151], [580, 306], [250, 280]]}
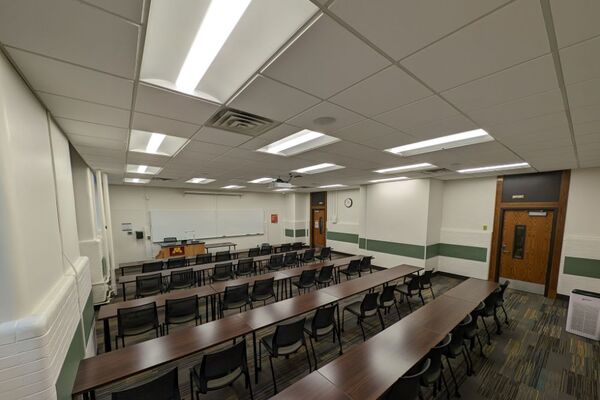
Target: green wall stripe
{"points": [[465, 252], [432, 250], [399, 249], [66, 377], [88, 316], [289, 233], [586, 267], [362, 243], [300, 232], [342, 237]]}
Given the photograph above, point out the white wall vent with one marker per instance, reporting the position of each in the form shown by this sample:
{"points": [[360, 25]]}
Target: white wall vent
{"points": [[583, 317]]}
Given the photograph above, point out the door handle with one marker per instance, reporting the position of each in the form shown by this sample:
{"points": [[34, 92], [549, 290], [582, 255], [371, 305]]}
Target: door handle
{"points": [[504, 249]]}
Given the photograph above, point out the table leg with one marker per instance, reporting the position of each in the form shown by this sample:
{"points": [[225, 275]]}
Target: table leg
{"points": [[255, 357], [337, 310], [107, 340], [124, 295], [206, 300], [291, 293]]}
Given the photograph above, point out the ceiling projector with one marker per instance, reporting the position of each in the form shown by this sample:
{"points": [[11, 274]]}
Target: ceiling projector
{"points": [[280, 185]]}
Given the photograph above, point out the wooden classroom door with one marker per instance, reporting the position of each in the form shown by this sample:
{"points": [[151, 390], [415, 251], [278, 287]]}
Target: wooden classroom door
{"points": [[318, 228], [525, 247]]}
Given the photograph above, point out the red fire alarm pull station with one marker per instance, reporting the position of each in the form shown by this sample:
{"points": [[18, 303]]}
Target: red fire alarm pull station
{"points": [[274, 218]]}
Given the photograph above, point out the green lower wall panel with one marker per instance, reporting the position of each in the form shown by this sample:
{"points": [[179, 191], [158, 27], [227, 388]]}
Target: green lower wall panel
{"points": [[64, 383], [586, 267], [88, 316], [362, 243], [399, 249], [342, 237], [300, 232], [289, 233], [464, 252], [432, 250]]}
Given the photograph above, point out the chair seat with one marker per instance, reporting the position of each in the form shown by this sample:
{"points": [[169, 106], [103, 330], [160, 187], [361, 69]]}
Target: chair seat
{"points": [[470, 332], [237, 304], [222, 381], [303, 285], [181, 285], [388, 303], [138, 330], [282, 350], [262, 297], [354, 308], [431, 376], [181, 319], [149, 292], [453, 350], [320, 331], [403, 289], [350, 273]]}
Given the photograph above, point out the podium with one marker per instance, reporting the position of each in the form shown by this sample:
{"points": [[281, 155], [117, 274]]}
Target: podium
{"points": [[179, 249]]}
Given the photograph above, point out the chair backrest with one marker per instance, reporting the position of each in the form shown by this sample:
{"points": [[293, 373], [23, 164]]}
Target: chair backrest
{"points": [[323, 318], [288, 334], [458, 332], [365, 263], [308, 277], [426, 277], [308, 255], [297, 245], [137, 319], [223, 271], [415, 284], [176, 262], [354, 266], [152, 266], [502, 289], [222, 256], [235, 294], [490, 301], [254, 252], [476, 312], [276, 260], [148, 285], [387, 294], [408, 386], [326, 273], [178, 308], [285, 247], [183, 278], [165, 387], [369, 303], [245, 266], [290, 258], [325, 252], [265, 249], [263, 286], [435, 354], [221, 363], [203, 258]]}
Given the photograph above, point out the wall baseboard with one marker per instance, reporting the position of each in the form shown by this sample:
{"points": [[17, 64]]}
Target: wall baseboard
{"points": [[562, 297], [449, 275]]}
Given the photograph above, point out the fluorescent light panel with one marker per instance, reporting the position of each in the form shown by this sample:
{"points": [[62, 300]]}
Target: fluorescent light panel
{"points": [[299, 142], [262, 180], [135, 180], [154, 143], [335, 185], [283, 190], [406, 168], [494, 168], [318, 168], [396, 178], [142, 169], [218, 23], [443, 143], [202, 181], [233, 187]]}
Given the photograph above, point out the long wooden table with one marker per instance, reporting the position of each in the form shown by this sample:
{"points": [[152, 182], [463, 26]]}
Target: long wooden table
{"points": [[368, 370], [106, 368]]}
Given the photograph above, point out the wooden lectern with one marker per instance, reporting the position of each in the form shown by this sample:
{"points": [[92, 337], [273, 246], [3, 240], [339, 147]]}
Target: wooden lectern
{"points": [[178, 249]]}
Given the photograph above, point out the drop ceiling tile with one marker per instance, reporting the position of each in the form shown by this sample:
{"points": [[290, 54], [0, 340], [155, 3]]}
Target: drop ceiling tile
{"points": [[542, 123], [522, 80], [484, 47], [113, 154], [365, 131], [273, 100], [83, 111], [130, 9], [146, 159], [446, 126], [342, 117], [93, 141], [164, 103], [71, 31], [325, 60], [584, 94], [56, 77], [401, 27], [421, 112], [587, 128], [590, 162], [255, 143], [205, 148], [172, 127], [585, 114], [381, 92], [80, 128], [218, 136], [575, 21], [391, 140], [581, 62]]}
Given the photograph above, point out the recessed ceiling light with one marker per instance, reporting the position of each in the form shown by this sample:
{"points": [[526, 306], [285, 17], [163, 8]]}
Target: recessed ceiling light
{"points": [[200, 180], [135, 180], [154, 143], [336, 185], [233, 187], [283, 190], [405, 168], [299, 142], [443, 143], [494, 168], [315, 169], [397, 178], [142, 169], [218, 23], [262, 180]]}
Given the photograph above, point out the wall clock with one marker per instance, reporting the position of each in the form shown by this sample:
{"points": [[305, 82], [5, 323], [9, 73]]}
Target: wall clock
{"points": [[348, 202]]}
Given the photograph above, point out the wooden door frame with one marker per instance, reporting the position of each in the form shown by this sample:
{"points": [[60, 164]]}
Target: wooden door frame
{"points": [[312, 222], [560, 212]]}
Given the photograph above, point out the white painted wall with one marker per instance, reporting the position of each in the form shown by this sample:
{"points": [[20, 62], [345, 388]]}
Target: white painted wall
{"points": [[343, 219], [434, 219]]}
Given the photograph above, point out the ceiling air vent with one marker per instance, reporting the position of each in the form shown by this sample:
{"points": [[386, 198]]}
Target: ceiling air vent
{"points": [[242, 122]]}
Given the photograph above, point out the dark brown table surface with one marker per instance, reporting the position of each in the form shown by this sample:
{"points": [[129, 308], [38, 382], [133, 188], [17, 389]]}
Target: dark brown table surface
{"points": [[472, 290], [314, 386]]}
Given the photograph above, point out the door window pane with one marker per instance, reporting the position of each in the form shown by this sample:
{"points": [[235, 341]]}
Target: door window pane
{"points": [[519, 242]]}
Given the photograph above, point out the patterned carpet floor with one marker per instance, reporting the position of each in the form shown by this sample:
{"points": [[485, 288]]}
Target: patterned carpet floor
{"points": [[534, 358]]}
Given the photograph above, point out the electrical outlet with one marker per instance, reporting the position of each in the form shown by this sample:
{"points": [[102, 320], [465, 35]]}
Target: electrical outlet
{"points": [[485, 227]]}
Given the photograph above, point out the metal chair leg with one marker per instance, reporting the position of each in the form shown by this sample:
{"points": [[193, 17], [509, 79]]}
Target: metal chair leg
{"points": [[273, 375], [312, 346], [456, 393]]}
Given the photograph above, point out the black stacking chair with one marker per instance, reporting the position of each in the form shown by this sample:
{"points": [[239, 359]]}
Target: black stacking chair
{"points": [[364, 309], [325, 276], [456, 347], [203, 258], [408, 387], [182, 279], [365, 265], [290, 259], [500, 299], [321, 324], [308, 256], [235, 297], [165, 387], [297, 245], [425, 281], [325, 254], [410, 289], [275, 262], [245, 267], [434, 376], [152, 266], [177, 262], [285, 247], [265, 249], [353, 269], [254, 252], [287, 339], [220, 369], [222, 256], [180, 311], [387, 299], [472, 330], [222, 272], [149, 285], [490, 311], [306, 280], [263, 290], [132, 321]]}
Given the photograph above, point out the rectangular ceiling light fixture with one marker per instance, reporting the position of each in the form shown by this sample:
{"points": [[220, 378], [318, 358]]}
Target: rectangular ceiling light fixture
{"points": [[299, 142], [283, 190], [502, 167], [315, 169], [262, 180], [201, 181], [335, 185], [233, 187], [442, 143], [142, 169], [154, 143], [136, 180], [406, 168], [397, 178], [218, 23]]}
